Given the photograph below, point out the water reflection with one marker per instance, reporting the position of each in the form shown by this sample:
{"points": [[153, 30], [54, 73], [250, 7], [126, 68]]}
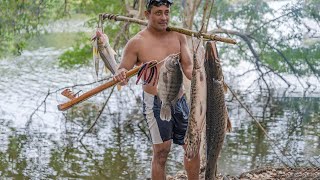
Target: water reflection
{"points": [[118, 147]]}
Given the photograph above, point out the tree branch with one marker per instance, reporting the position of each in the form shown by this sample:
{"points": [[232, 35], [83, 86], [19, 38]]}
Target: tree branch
{"points": [[275, 19]]}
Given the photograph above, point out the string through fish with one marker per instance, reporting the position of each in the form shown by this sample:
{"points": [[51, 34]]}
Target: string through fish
{"points": [[153, 69]]}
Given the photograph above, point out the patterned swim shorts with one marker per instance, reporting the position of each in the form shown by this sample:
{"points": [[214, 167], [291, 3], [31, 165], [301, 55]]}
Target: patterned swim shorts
{"points": [[160, 130]]}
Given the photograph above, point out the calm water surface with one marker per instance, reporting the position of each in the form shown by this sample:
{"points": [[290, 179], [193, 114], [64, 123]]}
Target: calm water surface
{"points": [[39, 142]]}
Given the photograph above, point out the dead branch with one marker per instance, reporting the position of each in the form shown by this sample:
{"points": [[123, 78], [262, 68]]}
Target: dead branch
{"points": [[189, 11], [120, 34], [275, 19], [204, 16], [276, 73], [274, 144], [43, 103], [98, 116], [210, 12]]}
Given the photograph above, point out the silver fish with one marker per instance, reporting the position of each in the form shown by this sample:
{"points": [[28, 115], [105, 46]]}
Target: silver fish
{"points": [[217, 120], [169, 85], [198, 104], [103, 50]]}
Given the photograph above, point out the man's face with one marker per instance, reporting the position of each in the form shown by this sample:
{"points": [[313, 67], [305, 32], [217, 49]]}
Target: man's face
{"points": [[158, 17]]}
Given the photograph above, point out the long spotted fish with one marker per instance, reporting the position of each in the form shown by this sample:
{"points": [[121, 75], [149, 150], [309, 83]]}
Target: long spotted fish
{"points": [[217, 120], [198, 103]]}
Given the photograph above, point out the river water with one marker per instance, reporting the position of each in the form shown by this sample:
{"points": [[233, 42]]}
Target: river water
{"points": [[39, 142]]}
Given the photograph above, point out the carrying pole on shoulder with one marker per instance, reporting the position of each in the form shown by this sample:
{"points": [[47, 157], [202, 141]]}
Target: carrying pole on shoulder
{"points": [[188, 32]]}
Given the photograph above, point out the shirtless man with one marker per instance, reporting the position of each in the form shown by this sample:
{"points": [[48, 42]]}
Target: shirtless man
{"points": [[155, 43]]}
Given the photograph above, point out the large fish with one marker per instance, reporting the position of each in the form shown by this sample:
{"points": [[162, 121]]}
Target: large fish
{"points": [[217, 120], [198, 103], [169, 85], [103, 50]]}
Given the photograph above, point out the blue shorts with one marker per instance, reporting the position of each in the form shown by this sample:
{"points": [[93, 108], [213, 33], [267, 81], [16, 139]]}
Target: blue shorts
{"points": [[160, 130]]}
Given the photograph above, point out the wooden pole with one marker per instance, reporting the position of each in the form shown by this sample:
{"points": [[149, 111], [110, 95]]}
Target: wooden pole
{"points": [[176, 29], [87, 95]]}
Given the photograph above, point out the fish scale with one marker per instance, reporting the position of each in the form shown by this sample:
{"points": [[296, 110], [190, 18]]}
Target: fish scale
{"points": [[107, 56], [169, 85], [103, 50], [198, 105], [216, 116]]}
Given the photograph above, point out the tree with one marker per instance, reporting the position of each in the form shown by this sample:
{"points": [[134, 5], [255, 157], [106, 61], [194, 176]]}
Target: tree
{"points": [[20, 20], [276, 41]]}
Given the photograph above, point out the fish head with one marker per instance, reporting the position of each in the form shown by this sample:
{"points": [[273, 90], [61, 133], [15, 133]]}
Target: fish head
{"points": [[198, 53], [212, 59], [196, 63], [102, 38], [99, 32], [172, 62]]}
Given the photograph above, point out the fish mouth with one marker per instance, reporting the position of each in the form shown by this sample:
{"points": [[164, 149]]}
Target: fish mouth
{"points": [[172, 64], [196, 62], [212, 61]]}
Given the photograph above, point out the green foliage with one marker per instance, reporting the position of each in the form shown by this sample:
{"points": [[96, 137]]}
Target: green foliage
{"points": [[304, 59], [79, 55], [281, 36], [19, 20], [269, 30], [81, 52]]}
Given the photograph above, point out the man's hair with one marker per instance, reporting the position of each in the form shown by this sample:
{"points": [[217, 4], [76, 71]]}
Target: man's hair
{"points": [[151, 3]]}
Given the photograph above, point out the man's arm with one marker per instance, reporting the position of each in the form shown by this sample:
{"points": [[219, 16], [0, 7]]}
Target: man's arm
{"points": [[128, 60], [186, 58]]}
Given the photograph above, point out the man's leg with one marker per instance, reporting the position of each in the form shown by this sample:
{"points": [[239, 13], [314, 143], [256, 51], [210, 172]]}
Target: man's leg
{"points": [[192, 166], [160, 155]]}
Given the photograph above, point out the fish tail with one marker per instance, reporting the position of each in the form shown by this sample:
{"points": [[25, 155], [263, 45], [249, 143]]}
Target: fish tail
{"points": [[229, 126], [191, 152], [165, 112], [193, 146]]}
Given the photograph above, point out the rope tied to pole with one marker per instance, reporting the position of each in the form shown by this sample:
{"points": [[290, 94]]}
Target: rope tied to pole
{"points": [[188, 32]]}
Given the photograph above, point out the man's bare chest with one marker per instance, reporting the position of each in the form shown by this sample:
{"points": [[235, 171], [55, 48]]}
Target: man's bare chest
{"points": [[158, 50]]}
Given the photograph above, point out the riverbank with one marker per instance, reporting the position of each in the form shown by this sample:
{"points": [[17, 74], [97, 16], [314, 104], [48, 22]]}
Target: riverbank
{"points": [[307, 173]]}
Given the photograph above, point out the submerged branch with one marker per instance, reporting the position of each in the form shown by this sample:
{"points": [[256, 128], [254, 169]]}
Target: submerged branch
{"points": [[43, 103], [98, 116]]}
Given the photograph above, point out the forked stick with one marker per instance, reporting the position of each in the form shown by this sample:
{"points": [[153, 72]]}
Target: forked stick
{"points": [[92, 92]]}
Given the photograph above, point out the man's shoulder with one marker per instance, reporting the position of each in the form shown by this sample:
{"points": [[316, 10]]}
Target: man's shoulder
{"points": [[178, 35], [139, 37]]}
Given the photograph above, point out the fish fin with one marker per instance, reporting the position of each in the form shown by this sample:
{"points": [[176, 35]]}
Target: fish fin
{"points": [[193, 144], [119, 87], [174, 103], [95, 56], [225, 87], [106, 69], [229, 125], [165, 113]]}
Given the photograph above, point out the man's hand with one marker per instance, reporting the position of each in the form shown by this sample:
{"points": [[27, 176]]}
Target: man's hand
{"points": [[121, 76]]}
